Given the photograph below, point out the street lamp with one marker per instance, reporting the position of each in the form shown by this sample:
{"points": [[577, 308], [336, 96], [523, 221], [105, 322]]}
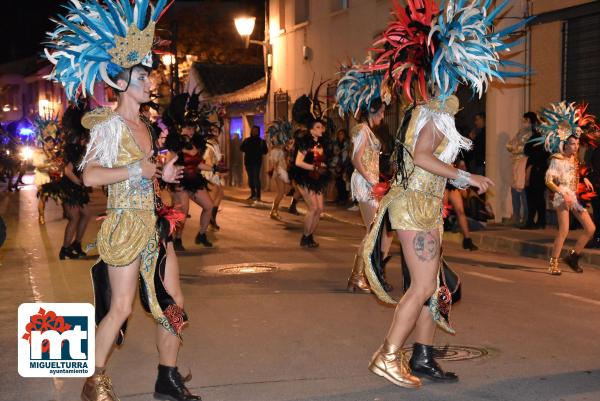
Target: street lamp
{"points": [[245, 26]]}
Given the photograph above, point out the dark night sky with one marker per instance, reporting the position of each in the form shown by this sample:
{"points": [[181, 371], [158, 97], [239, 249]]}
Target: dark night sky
{"points": [[25, 22]]}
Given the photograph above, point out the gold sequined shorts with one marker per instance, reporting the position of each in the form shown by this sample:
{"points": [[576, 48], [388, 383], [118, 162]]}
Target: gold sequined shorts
{"points": [[124, 234], [415, 211]]}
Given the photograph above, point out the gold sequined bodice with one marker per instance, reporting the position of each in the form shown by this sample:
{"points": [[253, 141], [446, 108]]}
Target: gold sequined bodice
{"points": [[419, 206], [130, 223], [122, 195], [372, 148], [421, 180]]}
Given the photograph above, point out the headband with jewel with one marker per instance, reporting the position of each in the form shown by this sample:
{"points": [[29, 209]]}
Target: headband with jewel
{"points": [[95, 42]]}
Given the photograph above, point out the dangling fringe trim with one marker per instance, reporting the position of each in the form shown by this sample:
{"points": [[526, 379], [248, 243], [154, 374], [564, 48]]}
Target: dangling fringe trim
{"points": [[105, 139], [444, 123]]}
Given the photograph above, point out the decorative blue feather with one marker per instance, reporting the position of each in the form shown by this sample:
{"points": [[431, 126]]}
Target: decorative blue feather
{"points": [[79, 45], [357, 90], [468, 48]]}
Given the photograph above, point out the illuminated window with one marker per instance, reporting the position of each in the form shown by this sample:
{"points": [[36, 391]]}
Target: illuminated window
{"points": [[338, 5], [281, 14], [301, 12], [236, 126]]}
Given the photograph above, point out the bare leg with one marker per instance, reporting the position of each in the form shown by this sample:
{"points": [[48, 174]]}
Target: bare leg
{"points": [[72, 223], [280, 187], [562, 215], [123, 284], [425, 327], [312, 209], [167, 343], [367, 212], [216, 194], [318, 199], [588, 227], [181, 200], [422, 254], [42, 206], [202, 199], [84, 218], [456, 200]]}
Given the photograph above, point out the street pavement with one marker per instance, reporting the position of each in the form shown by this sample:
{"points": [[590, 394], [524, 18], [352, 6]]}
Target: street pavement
{"points": [[295, 334]]}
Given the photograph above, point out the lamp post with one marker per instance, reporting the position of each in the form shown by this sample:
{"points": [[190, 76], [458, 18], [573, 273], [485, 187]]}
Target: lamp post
{"points": [[245, 26]]}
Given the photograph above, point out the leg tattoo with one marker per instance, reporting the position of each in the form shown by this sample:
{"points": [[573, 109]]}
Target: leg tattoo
{"points": [[425, 246]]}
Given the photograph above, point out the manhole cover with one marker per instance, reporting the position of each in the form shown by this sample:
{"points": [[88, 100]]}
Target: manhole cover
{"points": [[248, 268], [455, 352]]}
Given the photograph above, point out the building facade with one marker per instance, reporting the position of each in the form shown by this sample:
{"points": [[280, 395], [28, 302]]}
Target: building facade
{"points": [[310, 39]]}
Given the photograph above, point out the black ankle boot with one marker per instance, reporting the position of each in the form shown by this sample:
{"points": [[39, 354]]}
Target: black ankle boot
{"points": [[311, 243], [468, 244], [178, 245], [386, 286], [423, 364], [68, 253], [304, 241], [292, 209], [76, 246], [213, 219], [170, 386], [202, 239], [572, 260]]}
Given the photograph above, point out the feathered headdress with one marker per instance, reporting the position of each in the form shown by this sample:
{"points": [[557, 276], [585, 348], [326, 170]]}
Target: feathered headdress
{"points": [[560, 121], [96, 42], [357, 90], [426, 48], [44, 128], [279, 132], [308, 107]]}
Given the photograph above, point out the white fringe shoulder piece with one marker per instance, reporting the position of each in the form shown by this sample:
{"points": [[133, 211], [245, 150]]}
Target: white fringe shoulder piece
{"points": [[106, 128], [442, 116]]}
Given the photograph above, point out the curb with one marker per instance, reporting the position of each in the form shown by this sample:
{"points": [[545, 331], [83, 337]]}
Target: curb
{"points": [[491, 243], [267, 206]]}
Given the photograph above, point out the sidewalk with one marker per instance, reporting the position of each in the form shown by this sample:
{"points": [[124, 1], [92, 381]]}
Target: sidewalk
{"points": [[496, 238]]}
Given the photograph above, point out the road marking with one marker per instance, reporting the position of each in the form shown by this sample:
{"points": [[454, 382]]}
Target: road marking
{"points": [[578, 298], [489, 277]]}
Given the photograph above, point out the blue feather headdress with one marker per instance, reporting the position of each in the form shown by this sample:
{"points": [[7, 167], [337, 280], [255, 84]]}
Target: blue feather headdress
{"points": [[468, 48], [357, 90], [563, 120], [279, 132], [44, 128], [95, 42], [423, 49]]}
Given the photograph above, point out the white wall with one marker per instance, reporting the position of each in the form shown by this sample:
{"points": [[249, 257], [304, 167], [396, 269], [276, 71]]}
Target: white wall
{"points": [[331, 37]]}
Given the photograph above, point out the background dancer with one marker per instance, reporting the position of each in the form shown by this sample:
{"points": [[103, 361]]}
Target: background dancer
{"points": [[213, 157], [189, 145], [310, 171], [564, 126], [279, 158], [74, 195], [48, 165], [120, 155], [358, 93]]}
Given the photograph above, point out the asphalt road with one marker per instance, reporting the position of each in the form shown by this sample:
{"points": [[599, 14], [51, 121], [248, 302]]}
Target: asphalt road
{"points": [[295, 334]]}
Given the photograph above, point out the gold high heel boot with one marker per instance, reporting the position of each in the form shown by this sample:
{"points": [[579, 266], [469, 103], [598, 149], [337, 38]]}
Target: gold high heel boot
{"points": [[553, 268], [390, 363], [274, 214], [98, 387], [357, 280]]}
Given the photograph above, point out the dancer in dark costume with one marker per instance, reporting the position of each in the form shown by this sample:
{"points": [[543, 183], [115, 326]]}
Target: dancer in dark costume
{"points": [[310, 172], [187, 141]]}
